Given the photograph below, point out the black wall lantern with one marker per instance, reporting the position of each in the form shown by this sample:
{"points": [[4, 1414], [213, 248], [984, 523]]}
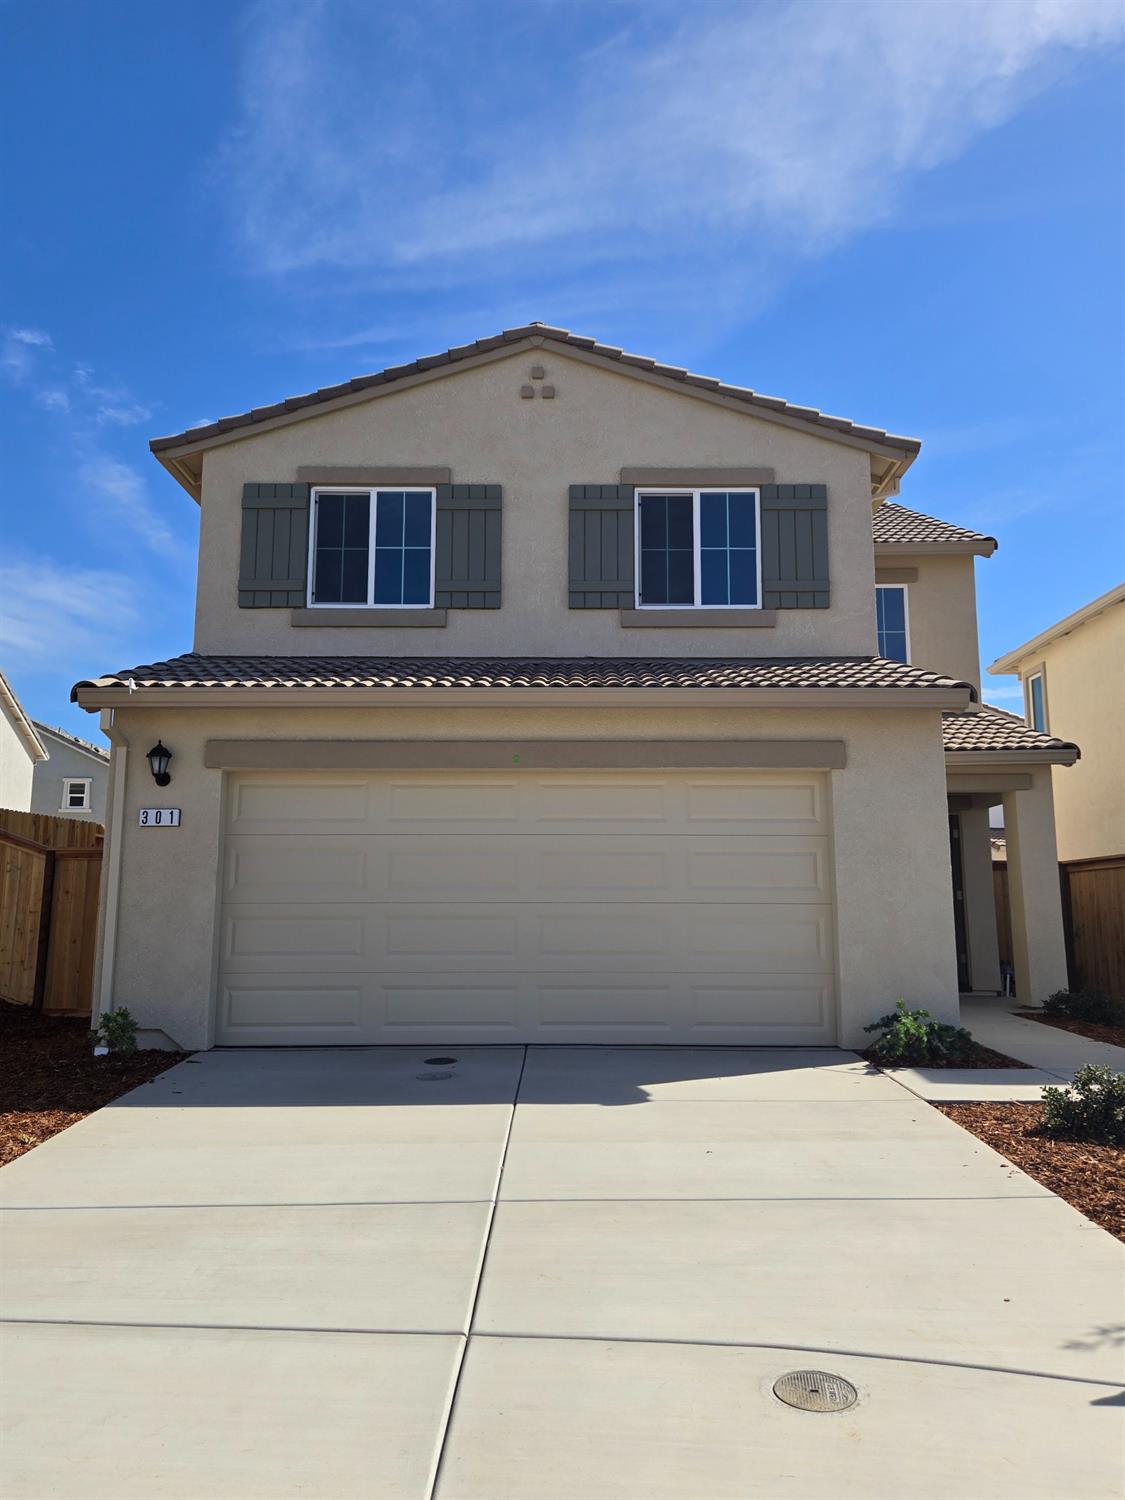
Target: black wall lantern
{"points": [[158, 758]]}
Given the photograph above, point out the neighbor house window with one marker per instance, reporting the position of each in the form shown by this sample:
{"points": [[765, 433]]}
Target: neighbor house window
{"points": [[1036, 703], [372, 547], [698, 547], [892, 620], [75, 796]]}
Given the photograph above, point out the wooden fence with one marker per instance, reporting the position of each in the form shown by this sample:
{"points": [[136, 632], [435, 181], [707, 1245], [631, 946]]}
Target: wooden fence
{"points": [[50, 874], [1093, 908]]}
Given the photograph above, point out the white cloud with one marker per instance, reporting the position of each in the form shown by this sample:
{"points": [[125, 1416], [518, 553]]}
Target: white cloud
{"points": [[125, 493], [777, 129], [127, 414], [49, 611], [16, 351]]}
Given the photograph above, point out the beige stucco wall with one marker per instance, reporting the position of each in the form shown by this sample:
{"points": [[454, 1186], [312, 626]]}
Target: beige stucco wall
{"points": [[942, 605], [474, 422], [891, 850], [1084, 676], [16, 765]]}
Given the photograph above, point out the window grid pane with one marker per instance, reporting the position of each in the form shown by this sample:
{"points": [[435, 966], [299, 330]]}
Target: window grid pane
{"points": [[890, 619], [1038, 717], [403, 528], [667, 549], [728, 554], [403, 523]]}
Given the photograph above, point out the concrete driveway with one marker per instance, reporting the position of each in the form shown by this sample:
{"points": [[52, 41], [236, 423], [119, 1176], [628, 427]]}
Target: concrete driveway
{"points": [[544, 1274]]}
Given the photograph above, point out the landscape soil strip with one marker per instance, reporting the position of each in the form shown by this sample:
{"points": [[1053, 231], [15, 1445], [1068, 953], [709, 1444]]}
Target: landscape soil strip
{"points": [[1086, 1174]]}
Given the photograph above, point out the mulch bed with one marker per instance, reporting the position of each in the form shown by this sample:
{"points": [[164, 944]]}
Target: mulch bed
{"points": [[1096, 1031], [50, 1078], [979, 1057], [1088, 1176]]}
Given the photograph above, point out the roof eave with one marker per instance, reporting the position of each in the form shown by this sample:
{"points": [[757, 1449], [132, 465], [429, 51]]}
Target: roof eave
{"points": [[93, 696], [1011, 661], [1001, 760], [891, 454], [983, 548]]}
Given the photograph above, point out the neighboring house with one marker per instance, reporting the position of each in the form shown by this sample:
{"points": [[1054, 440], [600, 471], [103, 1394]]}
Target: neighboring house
{"points": [[21, 750], [73, 780], [535, 696], [1073, 677]]}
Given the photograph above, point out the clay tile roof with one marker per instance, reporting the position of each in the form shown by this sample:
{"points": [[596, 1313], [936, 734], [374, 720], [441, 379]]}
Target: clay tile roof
{"points": [[809, 414], [896, 526], [988, 728], [194, 671]]}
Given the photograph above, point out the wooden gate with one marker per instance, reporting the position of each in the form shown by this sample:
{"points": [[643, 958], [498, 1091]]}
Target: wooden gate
{"points": [[50, 874], [1093, 897]]}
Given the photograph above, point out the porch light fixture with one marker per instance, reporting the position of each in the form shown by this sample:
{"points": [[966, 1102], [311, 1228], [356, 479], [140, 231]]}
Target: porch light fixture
{"points": [[158, 758]]}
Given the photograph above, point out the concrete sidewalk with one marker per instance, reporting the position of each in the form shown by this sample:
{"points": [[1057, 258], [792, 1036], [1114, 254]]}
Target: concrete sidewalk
{"points": [[574, 1271]]}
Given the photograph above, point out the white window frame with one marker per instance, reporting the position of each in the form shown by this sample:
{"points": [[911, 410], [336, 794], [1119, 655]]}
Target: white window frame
{"points": [[372, 492], [697, 571], [1029, 716], [84, 782], [905, 588]]}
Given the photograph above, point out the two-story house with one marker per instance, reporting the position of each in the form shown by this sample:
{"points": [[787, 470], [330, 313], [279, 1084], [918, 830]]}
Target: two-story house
{"points": [[73, 780], [543, 692]]}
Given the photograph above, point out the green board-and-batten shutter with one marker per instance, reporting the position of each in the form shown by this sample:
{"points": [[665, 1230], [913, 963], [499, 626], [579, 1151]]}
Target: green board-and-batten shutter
{"points": [[601, 547], [794, 546], [273, 569], [467, 560]]}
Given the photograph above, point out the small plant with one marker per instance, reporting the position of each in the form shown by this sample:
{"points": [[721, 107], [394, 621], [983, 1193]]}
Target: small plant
{"points": [[117, 1030], [911, 1038], [1085, 1005], [1092, 1108]]}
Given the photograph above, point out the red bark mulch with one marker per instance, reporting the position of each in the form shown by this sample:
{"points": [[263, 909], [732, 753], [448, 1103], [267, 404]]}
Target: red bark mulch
{"points": [[1088, 1175], [1096, 1031], [50, 1077]]}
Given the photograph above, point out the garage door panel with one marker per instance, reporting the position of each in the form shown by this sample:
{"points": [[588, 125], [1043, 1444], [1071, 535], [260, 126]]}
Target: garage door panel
{"points": [[298, 804], [551, 906], [306, 1007], [298, 934]]}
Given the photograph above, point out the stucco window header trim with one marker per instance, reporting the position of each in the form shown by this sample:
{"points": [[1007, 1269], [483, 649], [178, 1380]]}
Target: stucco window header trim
{"points": [[525, 755]]}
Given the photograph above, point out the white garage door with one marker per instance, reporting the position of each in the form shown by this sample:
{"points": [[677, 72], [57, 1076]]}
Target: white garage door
{"points": [[542, 906]]}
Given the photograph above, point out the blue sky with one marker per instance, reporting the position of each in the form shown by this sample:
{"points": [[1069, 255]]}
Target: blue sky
{"points": [[907, 214]]}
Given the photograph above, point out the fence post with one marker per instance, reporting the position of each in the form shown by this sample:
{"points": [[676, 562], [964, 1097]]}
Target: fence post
{"points": [[43, 950]]}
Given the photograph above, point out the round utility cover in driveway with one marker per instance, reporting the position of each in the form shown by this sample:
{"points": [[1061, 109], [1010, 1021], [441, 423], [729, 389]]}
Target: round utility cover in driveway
{"points": [[815, 1390]]}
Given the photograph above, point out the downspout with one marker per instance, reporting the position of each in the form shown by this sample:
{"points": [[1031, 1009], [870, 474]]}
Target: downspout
{"points": [[111, 868]]}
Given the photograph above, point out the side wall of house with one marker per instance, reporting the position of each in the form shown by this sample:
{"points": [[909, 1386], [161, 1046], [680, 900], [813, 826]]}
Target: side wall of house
{"points": [[65, 762], [16, 766], [890, 844], [942, 604], [1085, 681], [474, 422]]}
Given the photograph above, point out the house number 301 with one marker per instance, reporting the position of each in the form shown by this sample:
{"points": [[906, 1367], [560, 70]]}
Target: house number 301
{"points": [[159, 817]]}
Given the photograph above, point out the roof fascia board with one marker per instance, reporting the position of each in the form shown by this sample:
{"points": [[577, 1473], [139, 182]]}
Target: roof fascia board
{"points": [[91, 697], [984, 548], [92, 751], [1010, 661], [1001, 760], [23, 725]]}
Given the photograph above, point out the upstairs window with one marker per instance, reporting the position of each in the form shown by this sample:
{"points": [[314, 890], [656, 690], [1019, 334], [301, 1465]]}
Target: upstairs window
{"points": [[892, 621], [75, 795], [372, 547], [698, 548], [1036, 703]]}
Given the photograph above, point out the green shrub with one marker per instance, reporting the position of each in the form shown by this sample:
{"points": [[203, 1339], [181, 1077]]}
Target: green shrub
{"points": [[1085, 1005], [911, 1038], [1092, 1108], [117, 1030]]}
